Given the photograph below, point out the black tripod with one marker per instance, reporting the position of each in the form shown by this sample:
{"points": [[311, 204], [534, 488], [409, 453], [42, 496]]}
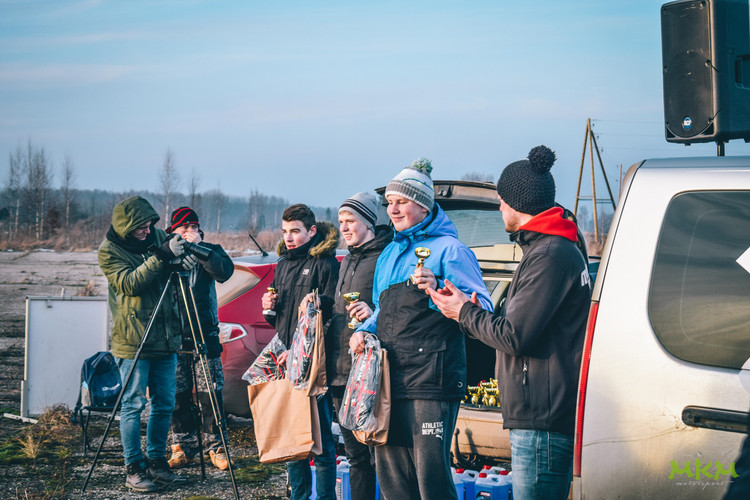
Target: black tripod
{"points": [[186, 294], [200, 350]]}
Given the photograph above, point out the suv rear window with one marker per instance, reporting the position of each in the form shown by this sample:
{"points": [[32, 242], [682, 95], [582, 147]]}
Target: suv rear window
{"points": [[478, 228], [699, 301]]}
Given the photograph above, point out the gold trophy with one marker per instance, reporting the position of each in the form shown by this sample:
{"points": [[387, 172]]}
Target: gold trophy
{"points": [[351, 298], [422, 253], [474, 392], [270, 312], [492, 393]]}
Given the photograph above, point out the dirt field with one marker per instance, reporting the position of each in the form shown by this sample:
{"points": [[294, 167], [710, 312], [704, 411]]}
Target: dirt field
{"points": [[28, 472]]}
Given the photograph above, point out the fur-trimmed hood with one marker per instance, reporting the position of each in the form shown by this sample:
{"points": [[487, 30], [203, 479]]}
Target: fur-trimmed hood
{"points": [[325, 242]]}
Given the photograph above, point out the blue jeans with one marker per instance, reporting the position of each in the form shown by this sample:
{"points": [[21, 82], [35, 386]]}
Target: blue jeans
{"points": [[159, 375], [542, 464], [300, 474]]}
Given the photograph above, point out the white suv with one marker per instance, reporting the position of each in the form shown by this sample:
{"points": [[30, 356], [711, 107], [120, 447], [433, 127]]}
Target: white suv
{"points": [[661, 408]]}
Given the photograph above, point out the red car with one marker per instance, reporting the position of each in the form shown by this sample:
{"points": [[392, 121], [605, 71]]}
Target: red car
{"points": [[244, 330]]}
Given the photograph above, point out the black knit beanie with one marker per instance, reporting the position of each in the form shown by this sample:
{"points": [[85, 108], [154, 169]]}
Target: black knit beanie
{"points": [[527, 185], [183, 216]]}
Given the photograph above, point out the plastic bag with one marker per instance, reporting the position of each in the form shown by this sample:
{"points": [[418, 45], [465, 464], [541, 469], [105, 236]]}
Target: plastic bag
{"points": [[361, 391], [266, 366], [300, 358]]}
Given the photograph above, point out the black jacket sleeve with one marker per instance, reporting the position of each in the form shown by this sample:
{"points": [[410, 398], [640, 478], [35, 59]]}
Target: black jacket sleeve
{"points": [[328, 278], [219, 265], [538, 292]]}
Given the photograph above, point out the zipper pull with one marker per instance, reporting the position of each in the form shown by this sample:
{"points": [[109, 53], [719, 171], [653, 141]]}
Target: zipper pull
{"points": [[525, 372]]}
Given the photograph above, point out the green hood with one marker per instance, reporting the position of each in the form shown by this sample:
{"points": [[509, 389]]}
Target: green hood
{"points": [[131, 213]]}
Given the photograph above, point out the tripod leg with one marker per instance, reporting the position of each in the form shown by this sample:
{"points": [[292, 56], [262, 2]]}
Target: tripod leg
{"points": [[199, 342], [195, 406], [126, 382]]}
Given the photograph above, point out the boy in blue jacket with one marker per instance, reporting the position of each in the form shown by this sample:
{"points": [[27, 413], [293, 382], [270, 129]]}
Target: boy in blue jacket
{"points": [[426, 350]]}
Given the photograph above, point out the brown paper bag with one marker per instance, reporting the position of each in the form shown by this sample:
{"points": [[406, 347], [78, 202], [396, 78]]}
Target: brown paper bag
{"points": [[382, 410], [318, 379], [287, 424]]}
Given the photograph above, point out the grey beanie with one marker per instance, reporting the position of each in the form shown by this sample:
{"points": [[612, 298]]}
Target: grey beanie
{"points": [[527, 185], [414, 183], [364, 206]]}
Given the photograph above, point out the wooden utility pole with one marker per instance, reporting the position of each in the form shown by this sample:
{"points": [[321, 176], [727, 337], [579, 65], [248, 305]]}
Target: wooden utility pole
{"points": [[590, 141]]}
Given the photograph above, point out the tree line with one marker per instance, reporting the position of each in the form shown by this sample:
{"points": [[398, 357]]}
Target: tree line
{"points": [[40, 205]]}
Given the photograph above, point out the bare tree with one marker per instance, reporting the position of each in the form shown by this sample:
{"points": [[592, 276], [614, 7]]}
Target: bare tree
{"points": [[213, 208], [170, 180], [478, 176], [13, 188], [256, 205], [68, 178], [193, 188], [38, 181], [219, 206]]}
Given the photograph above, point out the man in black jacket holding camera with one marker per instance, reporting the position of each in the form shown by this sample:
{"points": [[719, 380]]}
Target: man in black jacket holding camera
{"points": [[217, 266]]}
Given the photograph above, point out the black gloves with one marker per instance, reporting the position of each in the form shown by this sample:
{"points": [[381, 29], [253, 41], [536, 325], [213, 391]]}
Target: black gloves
{"points": [[171, 248]]}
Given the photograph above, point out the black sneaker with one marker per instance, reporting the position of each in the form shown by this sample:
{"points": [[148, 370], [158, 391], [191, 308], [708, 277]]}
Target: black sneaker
{"points": [[137, 478], [159, 472]]}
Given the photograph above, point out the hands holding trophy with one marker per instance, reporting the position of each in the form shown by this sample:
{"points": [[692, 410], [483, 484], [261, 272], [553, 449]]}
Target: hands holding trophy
{"points": [[422, 253], [269, 302], [351, 298]]}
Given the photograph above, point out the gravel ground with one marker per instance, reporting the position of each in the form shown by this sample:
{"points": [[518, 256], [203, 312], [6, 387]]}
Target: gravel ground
{"points": [[43, 273]]}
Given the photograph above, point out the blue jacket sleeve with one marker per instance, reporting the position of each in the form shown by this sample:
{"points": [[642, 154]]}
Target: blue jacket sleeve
{"points": [[462, 269]]}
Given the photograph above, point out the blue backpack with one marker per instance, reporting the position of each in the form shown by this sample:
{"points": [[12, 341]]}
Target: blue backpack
{"points": [[100, 382]]}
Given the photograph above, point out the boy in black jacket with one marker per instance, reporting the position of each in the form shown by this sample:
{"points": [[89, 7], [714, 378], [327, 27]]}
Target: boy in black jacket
{"points": [[307, 261], [218, 267]]}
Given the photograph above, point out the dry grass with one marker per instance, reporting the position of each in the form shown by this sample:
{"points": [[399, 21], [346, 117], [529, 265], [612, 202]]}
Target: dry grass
{"points": [[89, 290], [237, 243], [31, 445], [81, 239]]}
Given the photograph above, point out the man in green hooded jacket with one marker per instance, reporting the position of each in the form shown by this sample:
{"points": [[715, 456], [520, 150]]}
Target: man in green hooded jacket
{"points": [[137, 259]]}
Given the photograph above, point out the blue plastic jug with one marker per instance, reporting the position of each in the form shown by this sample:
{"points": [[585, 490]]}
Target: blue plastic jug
{"points": [[312, 469], [491, 487], [505, 478], [343, 491], [469, 477], [458, 482]]}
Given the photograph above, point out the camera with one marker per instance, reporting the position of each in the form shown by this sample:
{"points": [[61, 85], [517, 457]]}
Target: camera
{"points": [[198, 250]]}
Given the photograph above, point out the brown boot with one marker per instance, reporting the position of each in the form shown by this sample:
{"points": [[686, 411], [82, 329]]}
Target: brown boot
{"points": [[178, 458], [219, 459]]}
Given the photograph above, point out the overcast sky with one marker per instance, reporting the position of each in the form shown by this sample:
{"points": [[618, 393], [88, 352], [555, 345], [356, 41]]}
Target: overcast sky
{"points": [[316, 100]]}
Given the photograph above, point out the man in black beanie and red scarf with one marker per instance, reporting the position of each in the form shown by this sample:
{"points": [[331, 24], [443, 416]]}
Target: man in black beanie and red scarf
{"points": [[538, 333]]}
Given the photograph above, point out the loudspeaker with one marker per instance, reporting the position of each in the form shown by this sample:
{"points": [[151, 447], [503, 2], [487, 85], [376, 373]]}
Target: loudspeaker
{"points": [[706, 63]]}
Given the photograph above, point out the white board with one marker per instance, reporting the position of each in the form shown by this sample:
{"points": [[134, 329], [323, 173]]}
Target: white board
{"points": [[61, 332]]}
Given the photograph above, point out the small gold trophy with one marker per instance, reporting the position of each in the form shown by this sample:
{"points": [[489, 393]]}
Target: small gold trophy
{"points": [[351, 298], [492, 393], [270, 312], [422, 253], [474, 392]]}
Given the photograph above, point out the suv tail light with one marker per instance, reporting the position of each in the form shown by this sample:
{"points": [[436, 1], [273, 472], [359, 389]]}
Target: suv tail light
{"points": [[229, 332], [585, 359]]}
